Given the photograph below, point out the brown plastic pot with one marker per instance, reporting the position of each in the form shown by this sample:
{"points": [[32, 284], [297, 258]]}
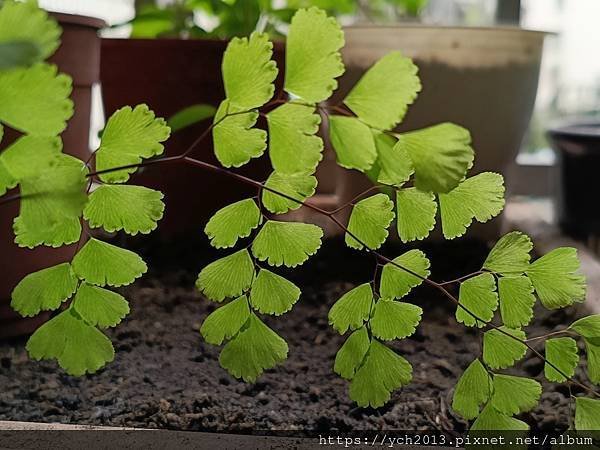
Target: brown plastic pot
{"points": [[169, 75], [79, 57]]}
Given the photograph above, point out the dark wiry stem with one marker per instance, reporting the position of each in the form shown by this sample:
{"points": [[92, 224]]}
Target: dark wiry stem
{"points": [[184, 158], [464, 277]]}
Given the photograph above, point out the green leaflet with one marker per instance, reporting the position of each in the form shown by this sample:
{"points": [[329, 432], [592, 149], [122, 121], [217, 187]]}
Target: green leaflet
{"points": [[233, 222], [77, 346], [294, 146], [235, 140], [394, 163], [190, 116], [381, 97], [473, 389], [286, 243], [35, 100], [51, 205], [227, 277], [352, 353], [490, 419], [480, 197], [30, 156], [415, 214], [478, 295], [18, 54], [313, 60], [587, 414], [248, 72], [299, 186], [253, 350], [7, 180], [514, 395], [352, 309], [555, 278], [134, 209], [44, 290], [100, 307], [561, 352], [382, 372], [130, 136], [395, 320], [369, 221], [510, 255], [226, 321], [101, 263], [516, 300], [25, 22], [501, 351], [588, 327], [273, 294], [353, 142], [441, 155], [592, 349], [395, 282]]}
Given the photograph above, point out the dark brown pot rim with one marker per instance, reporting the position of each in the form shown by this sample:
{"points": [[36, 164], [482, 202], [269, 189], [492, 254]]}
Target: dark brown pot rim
{"points": [[174, 43], [76, 19]]}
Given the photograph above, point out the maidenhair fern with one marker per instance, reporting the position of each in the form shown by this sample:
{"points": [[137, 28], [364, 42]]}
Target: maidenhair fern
{"points": [[423, 174]]}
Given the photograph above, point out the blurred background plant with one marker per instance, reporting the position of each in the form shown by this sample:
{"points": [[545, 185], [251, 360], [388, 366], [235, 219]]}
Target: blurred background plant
{"points": [[224, 19], [569, 77]]}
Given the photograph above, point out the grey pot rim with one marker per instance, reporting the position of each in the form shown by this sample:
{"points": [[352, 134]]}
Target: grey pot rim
{"points": [[421, 26]]}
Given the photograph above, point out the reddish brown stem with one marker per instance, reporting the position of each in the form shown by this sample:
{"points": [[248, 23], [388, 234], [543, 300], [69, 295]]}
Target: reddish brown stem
{"points": [[184, 158]]}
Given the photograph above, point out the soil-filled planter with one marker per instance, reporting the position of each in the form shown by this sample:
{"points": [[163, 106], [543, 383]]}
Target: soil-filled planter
{"points": [[169, 75], [166, 376], [484, 79], [79, 57], [578, 147]]}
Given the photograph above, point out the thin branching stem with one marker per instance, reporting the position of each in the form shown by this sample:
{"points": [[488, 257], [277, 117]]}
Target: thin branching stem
{"points": [[184, 158], [554, 333], [351, 202], [386, 260], [11, 198], [460, 279]]}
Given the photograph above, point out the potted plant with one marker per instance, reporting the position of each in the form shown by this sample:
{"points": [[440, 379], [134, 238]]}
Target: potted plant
{"points": [[496, 302], [79, 56]]}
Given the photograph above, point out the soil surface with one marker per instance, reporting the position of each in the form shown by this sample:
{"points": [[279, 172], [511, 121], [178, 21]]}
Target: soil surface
{"points": [[165, 376]]}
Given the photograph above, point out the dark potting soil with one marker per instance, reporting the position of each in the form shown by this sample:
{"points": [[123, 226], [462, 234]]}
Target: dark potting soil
{"points": [[165, 376]]}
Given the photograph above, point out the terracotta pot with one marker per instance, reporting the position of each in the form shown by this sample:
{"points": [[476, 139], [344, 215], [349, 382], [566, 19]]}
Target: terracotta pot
{"points": [[484, 79], [169, 75], [577, 143], [78, 56]]}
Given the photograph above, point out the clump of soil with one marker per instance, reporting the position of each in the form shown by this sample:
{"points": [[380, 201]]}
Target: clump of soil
{"points": [[165, 376]]}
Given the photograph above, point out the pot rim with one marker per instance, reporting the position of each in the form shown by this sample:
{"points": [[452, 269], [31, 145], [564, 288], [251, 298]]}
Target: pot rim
{"points": [[76, 19], [576, 127], [420, 26], [210, 42]]}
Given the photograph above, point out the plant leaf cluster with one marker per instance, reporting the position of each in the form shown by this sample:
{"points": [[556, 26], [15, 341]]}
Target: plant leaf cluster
{"points": [[419, 172], [58, 198], [511, 283]]}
